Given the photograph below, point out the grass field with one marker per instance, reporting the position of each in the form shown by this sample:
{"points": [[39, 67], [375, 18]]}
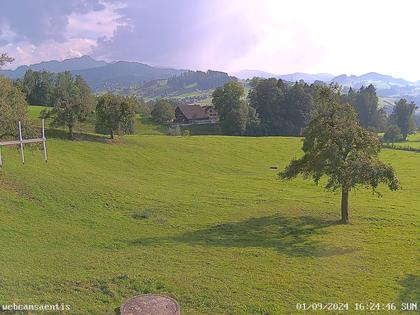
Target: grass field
{"points": [[203, 219], [413, 141]]}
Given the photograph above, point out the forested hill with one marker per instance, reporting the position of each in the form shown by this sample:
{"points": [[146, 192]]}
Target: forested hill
{"points": [[123, 74], [100, 75], [129, 77], [187, 82], [73, 64]]}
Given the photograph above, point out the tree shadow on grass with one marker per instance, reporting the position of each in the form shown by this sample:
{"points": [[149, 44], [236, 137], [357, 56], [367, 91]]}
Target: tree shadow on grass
{"points": [[411, 289], [78, 136], [293, 236]]}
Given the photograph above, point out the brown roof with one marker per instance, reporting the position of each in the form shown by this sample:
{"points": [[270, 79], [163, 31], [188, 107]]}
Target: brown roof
{"points": [[193, 112]]}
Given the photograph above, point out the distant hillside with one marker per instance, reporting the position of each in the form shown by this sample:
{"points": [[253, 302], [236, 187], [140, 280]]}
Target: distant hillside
{"points": [[100, 75], [193, 85], [123, 74], [72, 64], [141, 79], [381, 81], [307, 77]]}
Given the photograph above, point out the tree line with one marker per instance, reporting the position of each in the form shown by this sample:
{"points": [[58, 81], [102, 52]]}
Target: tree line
{"points": [[70, 101], [276, 107], [270, 107], [201, 80]]}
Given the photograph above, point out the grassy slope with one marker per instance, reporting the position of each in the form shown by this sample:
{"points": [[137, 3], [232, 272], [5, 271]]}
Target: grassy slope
{"points": [[34, 111], [202, 219]]}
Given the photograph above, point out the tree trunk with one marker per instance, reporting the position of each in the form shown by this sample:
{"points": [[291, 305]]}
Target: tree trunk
{"points": [[344, 205], [71, 136], [112, 134]]}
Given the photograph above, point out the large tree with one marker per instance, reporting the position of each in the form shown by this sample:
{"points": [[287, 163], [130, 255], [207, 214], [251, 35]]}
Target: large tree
{"points": [[163, 112], [235, 115], [115, 114], [336, 146], [365, 102], [282, 108], [38, 87], [73, 101], [13, 108], [403, 116]]}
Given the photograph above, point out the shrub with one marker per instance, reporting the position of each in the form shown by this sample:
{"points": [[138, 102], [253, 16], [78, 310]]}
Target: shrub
{"points": [[174, 131], [163, 112], [392, 134]]}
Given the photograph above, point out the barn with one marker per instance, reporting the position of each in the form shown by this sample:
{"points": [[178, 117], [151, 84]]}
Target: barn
{"points": [[191, 114]]}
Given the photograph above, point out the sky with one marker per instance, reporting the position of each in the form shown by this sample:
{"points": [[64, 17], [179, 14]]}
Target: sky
{"points": [[277, 36]]}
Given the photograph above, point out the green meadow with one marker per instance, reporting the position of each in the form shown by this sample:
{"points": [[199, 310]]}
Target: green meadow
{"points": [[413, 141], [203, 219]]}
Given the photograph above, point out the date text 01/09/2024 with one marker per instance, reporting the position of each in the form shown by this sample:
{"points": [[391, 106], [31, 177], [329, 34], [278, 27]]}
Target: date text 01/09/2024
{"points": [[406, 306]]}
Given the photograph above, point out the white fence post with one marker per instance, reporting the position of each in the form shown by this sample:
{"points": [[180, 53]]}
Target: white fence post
{"points": [[44, 147], [22, 154]]}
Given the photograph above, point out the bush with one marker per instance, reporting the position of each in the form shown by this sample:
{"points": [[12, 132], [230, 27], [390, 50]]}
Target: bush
{"points": [[186, 133], [174, 131], [163, 112], [141, 215], [392, 134]]}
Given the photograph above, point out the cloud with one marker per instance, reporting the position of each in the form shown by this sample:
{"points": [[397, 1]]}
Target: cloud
{"points": [[33, 31], [26, 53], [277, 36], [37, 21], [183, 33]]}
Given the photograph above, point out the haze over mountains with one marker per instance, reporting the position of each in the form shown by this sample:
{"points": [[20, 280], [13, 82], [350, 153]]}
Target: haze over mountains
{"points": [[101, 75], [297, 76]]}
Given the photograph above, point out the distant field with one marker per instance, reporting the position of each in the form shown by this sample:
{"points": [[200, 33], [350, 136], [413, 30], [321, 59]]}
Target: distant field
{"points": [[413, 141], [203, 219]]}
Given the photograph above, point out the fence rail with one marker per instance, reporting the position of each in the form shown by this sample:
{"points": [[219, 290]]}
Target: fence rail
{"points": [[22, 141]]}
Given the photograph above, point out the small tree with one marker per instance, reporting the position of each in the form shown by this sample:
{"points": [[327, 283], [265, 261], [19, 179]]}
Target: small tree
{"points": [[115, 114], [392, 134], [4, 58], [163, 112], [336, 145], [73, 101], [403, 116]]}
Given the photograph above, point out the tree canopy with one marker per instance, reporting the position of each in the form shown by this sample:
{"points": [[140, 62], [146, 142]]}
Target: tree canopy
{"points": [[115, 114], [13, 108], [365, 102], [38, 87], [163, 112], [73, 101], [392, 134], [5, 58], [403, 116], [336, 146], [282, 108], [235, 115]]}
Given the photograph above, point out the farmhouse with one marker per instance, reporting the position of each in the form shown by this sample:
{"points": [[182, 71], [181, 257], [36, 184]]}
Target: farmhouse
{"points": [[211, 111], [192, 114]]}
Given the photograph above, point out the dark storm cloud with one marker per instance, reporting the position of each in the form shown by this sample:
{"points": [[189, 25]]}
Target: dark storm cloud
{"points": [[179, 33], [38, 21]]}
